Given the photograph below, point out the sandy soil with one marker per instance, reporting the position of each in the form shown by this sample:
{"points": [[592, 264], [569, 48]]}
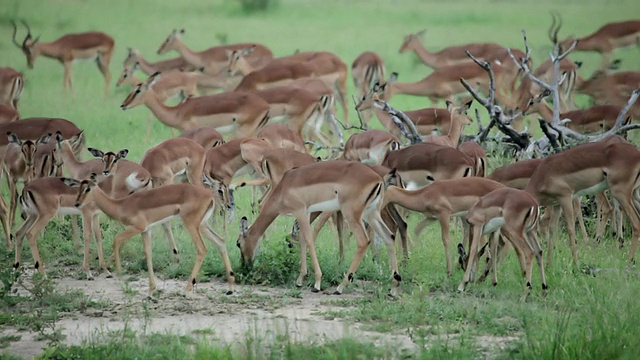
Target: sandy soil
{"points": [[258, 312]]}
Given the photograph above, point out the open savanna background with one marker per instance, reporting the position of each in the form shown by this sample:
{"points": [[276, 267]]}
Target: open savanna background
{"points": [[583, 317]]}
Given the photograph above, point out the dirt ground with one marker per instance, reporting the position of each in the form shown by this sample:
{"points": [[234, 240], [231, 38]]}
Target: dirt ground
{"points": [[251, 312]]}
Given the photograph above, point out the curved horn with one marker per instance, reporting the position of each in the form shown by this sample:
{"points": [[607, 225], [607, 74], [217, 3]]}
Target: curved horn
{"points": [[15, 31], [27, 26], [556, 24]]}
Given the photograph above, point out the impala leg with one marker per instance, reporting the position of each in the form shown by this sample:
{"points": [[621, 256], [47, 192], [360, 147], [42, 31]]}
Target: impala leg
{"points": [[303, 261], [32, 237], [492, 258], [75, 231], [4, 212], [523, 248], [146, 240], [67, 78], [87, 228], [339, 221], [103, 65], [357, 227], [222, 249], [97, 233], [119, 240], [577, 208], [13, 196], [627, 205], [201, 252], [20, 233], [553, 227], [444, 220], [389, 239], [476, 231], [604, 214], [172, 242], [532, 237], [322, 219], [305, 230], [567, 208]]}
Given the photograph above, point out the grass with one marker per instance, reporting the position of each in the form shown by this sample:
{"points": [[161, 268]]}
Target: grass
{"points": [[582, 317]]}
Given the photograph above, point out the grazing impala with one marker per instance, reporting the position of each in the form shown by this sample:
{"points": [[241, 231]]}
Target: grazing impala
{"points": [[148, 68], [169, 85], [607, 38], [444, 83], [426, 120], [214, 59], [515, 213], [442, 200], [141, 211], [353, 188], [586, 170], [92, 45], [11, 85], [241, 114]]}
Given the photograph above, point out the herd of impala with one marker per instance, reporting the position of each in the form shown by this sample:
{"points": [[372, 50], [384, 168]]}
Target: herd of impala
{"points": [[267, 107]]}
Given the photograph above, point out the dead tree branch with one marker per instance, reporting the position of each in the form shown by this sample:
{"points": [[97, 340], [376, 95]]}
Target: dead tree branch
{"points": [[406, 126]]}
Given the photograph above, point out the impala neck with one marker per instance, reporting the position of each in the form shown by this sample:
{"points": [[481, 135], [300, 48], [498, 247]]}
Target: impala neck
{"points": [[111, 207], [189, 55], [70, 160], [46, 50], [425, 55], [455, 130], [166, 114], [406, 198], [145, 66], [544, 110], [385, 119]]}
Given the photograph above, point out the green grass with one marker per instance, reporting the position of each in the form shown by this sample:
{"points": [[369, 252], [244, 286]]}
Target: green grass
{"points": [[582, 317]]}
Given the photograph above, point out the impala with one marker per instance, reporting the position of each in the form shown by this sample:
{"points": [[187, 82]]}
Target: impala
{"points": [[213, 59], [442, 200], [169, 85], [607, 38], [426, 120], [18, 165], [459, 120], [583, 170], [595, 119], [370, 147], [323, 65], [601, 85], [170, 158], [140, 211], [238, 113], [444, 83], [151, 68], [515, 213], [353, 188], [11, 85], [92, 45], [422, 164], [367, 70]]}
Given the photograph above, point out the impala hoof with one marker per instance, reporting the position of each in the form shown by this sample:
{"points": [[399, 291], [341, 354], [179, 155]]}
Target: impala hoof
{"points": [[229, 292], [314, 290]]}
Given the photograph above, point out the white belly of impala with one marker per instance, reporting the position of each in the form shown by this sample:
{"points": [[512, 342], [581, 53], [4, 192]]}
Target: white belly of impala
{"points": [[328, 205], [227, 129], [595, 189], [169, 218], [493, 225], [68, 211]]}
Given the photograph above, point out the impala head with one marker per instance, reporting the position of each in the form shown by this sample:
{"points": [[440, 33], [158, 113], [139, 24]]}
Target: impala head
{"points": [[247, 248], [128, 74], [221, 192], [84, 188], [534, 104], [171, 41], [28, 147], [133, 56], [109, 159], [411, 41], [377, 92], [28, 44], [459, 113], [236, 59], [139, 92]]}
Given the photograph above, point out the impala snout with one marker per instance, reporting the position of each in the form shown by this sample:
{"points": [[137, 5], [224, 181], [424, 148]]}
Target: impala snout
{"points": [[123, 106]]}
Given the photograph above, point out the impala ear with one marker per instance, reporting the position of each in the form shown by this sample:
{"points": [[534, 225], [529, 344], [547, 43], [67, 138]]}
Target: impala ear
{"points": [[122, 154], [93, 178], [44, 139], [448, 105], [95, 152], [466, 106], [248, 51], [578, 64], [393, 77], [421, 32], [13, 138], [182, 31], [244, 229]]}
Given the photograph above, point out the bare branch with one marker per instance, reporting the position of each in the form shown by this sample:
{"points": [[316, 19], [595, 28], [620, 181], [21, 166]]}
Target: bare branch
{"points": [[406, 126]]}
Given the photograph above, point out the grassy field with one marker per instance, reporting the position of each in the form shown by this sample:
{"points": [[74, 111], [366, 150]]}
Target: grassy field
{"points": [[583, 317]]}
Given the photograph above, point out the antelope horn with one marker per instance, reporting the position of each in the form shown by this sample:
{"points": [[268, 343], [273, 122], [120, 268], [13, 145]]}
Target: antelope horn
{"points": [[15, 31], [27, 26]]}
